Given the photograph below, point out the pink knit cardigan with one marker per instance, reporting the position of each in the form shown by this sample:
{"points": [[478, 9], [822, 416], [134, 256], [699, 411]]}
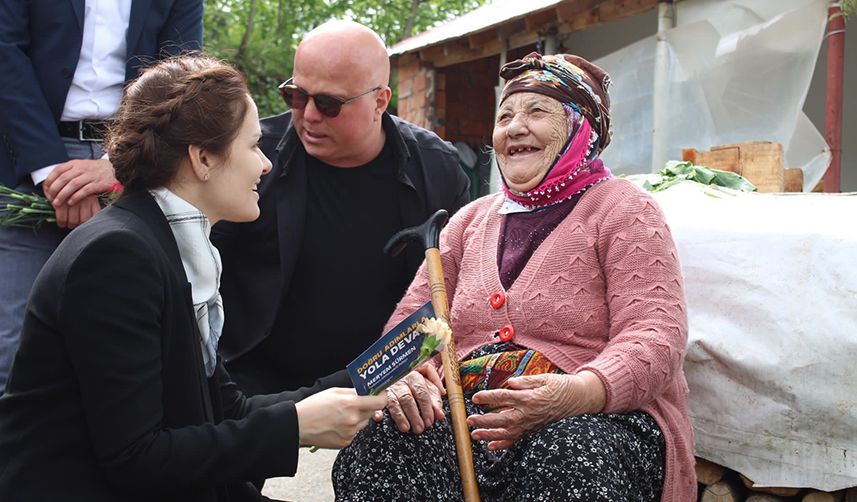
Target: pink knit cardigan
{"points": [[602, 293]]}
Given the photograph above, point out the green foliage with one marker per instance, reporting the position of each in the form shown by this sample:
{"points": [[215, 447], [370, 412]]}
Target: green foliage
{"points": [[260, 36], [849, 7], [24, 210], [677, 172], [19, 209]]}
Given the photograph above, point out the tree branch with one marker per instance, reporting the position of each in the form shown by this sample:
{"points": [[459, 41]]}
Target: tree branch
{"points": [[243, 47]]}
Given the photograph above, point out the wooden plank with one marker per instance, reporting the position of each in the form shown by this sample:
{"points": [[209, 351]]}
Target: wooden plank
{"points": [[460, 55], [793, 180], [566, 11], [615, 10], [477, 40], [509, 29], [582, 22], [725, 159], [522, 39], [762, 162], [540, 21], [431, 53]]}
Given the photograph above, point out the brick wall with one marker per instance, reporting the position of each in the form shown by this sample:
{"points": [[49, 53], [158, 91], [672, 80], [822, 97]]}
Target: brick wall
{"points": [[465, 100], [456, 102], [416, 91]]}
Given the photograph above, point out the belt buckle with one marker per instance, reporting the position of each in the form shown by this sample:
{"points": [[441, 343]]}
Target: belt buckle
{"points": [[82, 137]]}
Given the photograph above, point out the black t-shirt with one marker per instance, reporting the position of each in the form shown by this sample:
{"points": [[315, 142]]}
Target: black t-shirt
{"points": [[344, 288]]}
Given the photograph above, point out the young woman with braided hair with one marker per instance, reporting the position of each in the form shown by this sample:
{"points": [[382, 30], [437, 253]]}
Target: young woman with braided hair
{"points": [[116, 392]]}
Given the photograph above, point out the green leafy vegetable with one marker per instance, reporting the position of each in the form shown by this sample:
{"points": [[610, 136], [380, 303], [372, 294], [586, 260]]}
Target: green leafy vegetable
{"points": [[676, 172]]}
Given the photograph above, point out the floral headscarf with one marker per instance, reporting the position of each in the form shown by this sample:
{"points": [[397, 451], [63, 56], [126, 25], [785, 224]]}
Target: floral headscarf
{"points": [[581, 87], [571, 80]]}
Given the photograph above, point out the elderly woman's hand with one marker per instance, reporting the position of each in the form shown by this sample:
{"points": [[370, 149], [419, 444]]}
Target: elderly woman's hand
{"points": [[535, 401], [415, 401]]}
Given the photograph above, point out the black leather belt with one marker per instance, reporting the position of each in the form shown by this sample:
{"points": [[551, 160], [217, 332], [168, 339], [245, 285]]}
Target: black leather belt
{"points": [[84, 130]]}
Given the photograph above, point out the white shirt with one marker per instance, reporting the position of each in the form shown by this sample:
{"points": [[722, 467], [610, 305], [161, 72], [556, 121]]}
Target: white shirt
{"points": [[96, 89]]}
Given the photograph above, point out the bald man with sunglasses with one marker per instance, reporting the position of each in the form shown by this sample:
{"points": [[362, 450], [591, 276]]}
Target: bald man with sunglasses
{"points": [[307, 286]]}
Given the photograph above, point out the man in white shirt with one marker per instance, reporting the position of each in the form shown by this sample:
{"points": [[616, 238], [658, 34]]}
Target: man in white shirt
{"points": [[64, 66]]}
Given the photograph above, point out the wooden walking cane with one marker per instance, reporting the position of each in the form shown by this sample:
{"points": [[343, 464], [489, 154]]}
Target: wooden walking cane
{"points": [[429, 235]]}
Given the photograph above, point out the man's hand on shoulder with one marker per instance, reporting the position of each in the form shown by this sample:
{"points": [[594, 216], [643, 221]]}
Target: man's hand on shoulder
{"points": [[76, 180]]}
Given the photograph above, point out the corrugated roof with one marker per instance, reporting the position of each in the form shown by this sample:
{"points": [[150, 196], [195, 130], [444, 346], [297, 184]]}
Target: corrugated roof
{"points": [[487, 16]]}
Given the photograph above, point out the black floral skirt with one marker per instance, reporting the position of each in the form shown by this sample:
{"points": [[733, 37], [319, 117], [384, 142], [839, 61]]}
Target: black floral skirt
{"points": [[594, 457]]}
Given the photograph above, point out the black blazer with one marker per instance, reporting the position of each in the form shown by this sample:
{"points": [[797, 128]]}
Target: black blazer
{"points": [[260, 257], [108, 399], [40, 43]]}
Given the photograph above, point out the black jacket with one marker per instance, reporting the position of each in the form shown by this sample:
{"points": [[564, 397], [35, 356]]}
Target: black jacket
{"points": [[108, 398], [259, 257]]}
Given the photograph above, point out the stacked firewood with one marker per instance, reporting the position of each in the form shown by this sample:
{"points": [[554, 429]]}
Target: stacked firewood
{"points": [[719, 484]]}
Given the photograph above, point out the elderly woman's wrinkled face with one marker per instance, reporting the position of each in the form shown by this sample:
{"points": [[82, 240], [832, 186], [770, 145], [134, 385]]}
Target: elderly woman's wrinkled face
{"points": [[530, 131]]}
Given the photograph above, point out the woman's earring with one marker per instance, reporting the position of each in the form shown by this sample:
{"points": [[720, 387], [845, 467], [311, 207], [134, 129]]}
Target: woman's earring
{"points": [[206, 177]]}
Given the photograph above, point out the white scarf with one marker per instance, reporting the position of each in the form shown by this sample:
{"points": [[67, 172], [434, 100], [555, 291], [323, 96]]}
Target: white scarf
{"points": [[513, 207], [202, 265]]}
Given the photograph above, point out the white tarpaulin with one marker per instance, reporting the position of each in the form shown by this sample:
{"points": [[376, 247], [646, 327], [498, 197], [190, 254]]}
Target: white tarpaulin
{"points": [[739, 70], [772, 352]]}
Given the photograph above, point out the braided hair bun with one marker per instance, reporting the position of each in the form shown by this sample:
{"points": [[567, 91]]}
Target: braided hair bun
{"points": [[181, 101]]}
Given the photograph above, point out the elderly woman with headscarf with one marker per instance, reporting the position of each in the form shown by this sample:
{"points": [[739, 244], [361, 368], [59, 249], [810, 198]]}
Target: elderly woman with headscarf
{"points": [[569, 317]]}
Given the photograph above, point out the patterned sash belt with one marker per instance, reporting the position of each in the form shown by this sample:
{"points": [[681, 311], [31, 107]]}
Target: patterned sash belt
{"points": [[493, 371]]}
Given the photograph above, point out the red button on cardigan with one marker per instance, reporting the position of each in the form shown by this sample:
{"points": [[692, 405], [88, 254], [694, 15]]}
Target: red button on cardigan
{"points": [[507, 332], [497, 299]]}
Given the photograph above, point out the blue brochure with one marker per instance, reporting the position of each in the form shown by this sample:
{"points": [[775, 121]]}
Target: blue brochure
{"points": [[394, 355]]}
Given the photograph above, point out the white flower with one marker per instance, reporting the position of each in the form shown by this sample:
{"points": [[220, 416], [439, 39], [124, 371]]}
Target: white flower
{"points": [[437, 328]]}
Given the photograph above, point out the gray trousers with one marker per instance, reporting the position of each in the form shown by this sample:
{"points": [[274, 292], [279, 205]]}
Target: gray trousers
{"points": [[23, 253]]}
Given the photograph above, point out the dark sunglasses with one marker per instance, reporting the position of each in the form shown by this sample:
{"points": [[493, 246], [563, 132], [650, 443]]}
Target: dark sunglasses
{"points": [[328, 105]]}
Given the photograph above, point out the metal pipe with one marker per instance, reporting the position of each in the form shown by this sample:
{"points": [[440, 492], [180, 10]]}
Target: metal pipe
{"points": [[494, 177], [660, 99], [835, 70], [551, 44]]}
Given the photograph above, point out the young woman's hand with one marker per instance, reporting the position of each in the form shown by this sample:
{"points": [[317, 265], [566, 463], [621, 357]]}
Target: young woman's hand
{"points": [[331, 419]]}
